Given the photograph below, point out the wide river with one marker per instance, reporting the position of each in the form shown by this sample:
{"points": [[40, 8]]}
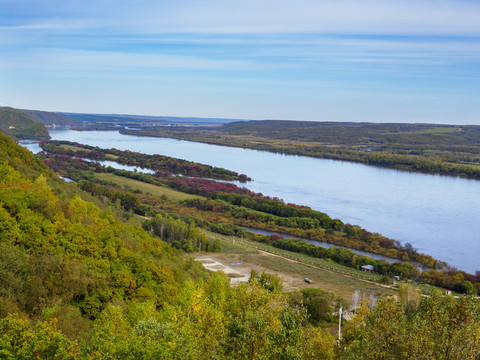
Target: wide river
{"points": [[438, 215]]}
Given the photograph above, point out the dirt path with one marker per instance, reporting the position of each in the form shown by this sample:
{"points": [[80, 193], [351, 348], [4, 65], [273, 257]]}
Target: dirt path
{"points": [[266, 253], [247, 257]]}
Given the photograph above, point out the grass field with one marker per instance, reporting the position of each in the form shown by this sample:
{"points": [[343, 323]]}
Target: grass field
{"points": [[293, 268], [75, 148], [145, 187], [439, 130]]}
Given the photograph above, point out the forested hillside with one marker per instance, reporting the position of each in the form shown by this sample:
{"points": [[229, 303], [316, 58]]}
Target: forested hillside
{"points": [[359, 134], [52, 118], [19, 125]]}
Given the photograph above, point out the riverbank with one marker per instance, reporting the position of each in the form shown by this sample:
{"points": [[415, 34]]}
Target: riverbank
{"points": [[427, 148]]}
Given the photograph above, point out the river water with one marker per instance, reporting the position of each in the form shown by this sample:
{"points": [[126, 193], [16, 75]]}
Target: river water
{"points": [[438, 215], [326, 245]]}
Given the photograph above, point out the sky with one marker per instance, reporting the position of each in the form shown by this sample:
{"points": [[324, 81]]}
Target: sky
{"points": [[321, 60]]}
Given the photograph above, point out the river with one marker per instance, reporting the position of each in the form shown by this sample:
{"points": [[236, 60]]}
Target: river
{"points": [[328, 245], [438, 215]]}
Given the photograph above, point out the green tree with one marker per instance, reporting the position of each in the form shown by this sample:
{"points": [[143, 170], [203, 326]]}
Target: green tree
{"points": [[18, 340], [409, 296], [439, 328]]}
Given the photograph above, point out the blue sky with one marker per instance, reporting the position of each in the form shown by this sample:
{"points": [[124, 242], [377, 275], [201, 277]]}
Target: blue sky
{"points": [[337, 60]]}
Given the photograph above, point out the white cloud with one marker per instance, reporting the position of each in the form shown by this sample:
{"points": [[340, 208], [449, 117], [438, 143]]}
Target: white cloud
{"points": [[66, 59], [330, 16], [260, 16], [340, 50], [54, 25]]}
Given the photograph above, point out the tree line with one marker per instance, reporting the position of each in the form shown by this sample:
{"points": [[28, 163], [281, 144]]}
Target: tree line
{"points": [[161, 163]]}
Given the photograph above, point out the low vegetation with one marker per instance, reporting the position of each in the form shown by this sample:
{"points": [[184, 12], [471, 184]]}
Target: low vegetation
{"points": [[137, 186], [161, 164]]}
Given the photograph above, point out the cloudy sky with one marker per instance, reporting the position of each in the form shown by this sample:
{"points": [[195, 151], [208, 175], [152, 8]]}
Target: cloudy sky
{"points": [[333, 60]]}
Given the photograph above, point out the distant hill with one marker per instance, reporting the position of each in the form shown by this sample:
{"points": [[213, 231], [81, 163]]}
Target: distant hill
{"points": [[142, 119], [19, 125], [52, 118], [373, 135]]}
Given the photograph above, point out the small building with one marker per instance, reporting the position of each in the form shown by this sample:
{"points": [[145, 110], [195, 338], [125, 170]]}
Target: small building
{"points": [[367, 268], [448, 292]]}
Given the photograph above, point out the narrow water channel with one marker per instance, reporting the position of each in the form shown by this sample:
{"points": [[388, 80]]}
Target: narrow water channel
{"points": [[438, 215]]}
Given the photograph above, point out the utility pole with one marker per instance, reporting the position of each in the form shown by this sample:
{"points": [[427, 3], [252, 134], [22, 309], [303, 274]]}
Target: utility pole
{"points": [[340, 325]]}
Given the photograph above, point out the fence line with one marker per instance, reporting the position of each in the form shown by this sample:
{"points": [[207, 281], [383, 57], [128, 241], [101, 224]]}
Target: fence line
{"points": [[292, 257]]}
